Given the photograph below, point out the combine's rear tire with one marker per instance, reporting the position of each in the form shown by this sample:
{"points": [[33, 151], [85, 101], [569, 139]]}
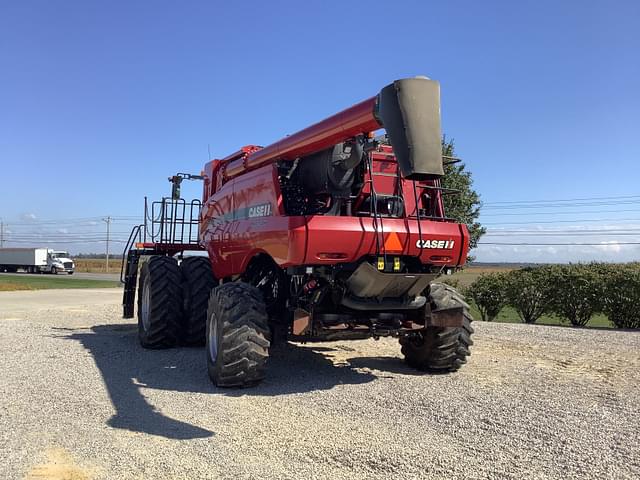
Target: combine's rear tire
{"points": [[197, 282], [238, 336], [159, 303], [439, 348]]}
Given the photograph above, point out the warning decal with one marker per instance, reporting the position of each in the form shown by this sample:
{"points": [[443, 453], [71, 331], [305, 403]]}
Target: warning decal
{"points": [[392, 243]]}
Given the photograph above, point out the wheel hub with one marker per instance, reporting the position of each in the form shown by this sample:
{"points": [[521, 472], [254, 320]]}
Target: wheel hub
{"points": [[144, 310], [213, 338]]}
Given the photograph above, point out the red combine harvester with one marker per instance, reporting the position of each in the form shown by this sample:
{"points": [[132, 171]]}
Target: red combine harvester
{"points": [[328, 234]]}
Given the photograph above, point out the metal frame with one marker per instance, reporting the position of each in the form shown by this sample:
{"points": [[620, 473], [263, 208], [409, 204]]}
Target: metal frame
{"points": [[171, 228]]}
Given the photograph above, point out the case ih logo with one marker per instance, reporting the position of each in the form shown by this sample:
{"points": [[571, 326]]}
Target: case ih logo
{"points": [[440, 244], [263, 210]]}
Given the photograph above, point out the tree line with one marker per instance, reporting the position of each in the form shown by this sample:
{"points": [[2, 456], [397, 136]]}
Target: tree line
{"points": [[574, 292]]}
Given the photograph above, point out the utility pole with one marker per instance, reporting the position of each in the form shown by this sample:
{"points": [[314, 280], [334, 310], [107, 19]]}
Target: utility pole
{"points": [[1, 233], [108, 222]]}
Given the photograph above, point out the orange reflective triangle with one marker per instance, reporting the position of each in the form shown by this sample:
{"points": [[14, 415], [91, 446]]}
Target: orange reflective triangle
{"points": [[393, 243]]}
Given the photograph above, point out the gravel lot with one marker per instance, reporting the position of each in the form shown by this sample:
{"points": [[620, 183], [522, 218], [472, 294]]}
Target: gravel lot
{"points": [[79, 399]]}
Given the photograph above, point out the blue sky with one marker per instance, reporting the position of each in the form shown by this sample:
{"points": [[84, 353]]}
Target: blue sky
{"points": [[101, 101]]}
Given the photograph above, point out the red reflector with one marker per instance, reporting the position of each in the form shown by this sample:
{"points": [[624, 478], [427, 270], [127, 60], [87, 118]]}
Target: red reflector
{"points": [[332, 256], [439, 258]]}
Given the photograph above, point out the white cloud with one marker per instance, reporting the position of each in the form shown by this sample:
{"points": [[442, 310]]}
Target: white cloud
{"points": [[613, 242], [28, 216]]}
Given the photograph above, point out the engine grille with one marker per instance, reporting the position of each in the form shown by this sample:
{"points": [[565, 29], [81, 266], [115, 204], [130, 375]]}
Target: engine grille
{"points": [[68, 264]]}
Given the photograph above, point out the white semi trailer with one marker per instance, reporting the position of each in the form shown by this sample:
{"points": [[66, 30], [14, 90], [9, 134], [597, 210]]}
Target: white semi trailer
{"points": [[35, 260]]}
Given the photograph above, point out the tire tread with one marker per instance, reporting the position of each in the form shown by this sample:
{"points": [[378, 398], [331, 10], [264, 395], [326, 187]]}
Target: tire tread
{"points": [[244, 342], [441, 349], [165, 310]]}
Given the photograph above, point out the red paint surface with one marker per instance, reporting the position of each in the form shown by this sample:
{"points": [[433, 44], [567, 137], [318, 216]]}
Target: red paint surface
{"points": [[232, 241]]}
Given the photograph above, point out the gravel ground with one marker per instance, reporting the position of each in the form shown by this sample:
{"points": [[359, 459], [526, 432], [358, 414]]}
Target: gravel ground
{"points": [[79, 399]]}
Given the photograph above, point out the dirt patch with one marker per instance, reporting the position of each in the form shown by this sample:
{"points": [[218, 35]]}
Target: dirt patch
{"points": [[13, 287], [59, 466]]}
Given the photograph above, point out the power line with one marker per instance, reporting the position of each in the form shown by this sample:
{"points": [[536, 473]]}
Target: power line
{"points": [[538, 222], [544, 234], [557, 206], [64, 241], [558, 213], [561, 244], [72, 221], [511, 202]]}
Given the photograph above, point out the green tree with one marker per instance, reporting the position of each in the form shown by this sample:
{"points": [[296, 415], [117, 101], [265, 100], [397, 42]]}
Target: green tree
{"points": [[488, 293], [576, 292], [464, 207], [529, 292], [622, 295]]}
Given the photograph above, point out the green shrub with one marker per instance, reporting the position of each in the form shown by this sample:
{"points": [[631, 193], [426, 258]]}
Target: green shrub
{"points": [[529, 292], [576, 291], [621, 296], [488, 293]]}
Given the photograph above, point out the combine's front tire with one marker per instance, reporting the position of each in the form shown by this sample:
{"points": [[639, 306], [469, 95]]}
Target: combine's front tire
{"points": [[238, 336], [159, 303], [197, 282], [440, 348]]}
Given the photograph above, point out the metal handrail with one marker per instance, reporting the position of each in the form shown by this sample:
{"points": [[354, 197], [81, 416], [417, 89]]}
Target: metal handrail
{"points": [[174, 221], [135, 232]]}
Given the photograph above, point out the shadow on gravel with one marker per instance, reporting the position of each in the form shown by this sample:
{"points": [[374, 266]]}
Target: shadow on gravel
{"points": [[126, 367], [298, 369]]}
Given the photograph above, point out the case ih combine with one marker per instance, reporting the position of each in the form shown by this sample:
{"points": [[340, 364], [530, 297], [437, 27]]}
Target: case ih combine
{"points": [[328, 234]]}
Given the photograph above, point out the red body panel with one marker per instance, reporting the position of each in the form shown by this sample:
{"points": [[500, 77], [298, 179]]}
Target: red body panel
{"points": [[355, 237], [233, 237]]}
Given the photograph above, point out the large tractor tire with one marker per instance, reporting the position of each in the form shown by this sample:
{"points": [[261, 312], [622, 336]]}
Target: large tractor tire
{"points": [[197, 283], [159, 303], [441, 349], [238, 336]]}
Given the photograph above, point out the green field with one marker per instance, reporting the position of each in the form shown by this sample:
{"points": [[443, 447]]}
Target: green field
{"points": [[469, 274], [509, 315], [20, 282]]}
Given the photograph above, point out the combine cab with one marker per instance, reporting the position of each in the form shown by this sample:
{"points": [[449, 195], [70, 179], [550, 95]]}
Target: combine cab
{"points": [[332, 233]]}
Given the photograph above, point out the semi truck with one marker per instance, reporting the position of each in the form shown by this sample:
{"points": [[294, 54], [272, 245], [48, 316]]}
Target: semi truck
{"points": [[336, 232], [36, 260]]}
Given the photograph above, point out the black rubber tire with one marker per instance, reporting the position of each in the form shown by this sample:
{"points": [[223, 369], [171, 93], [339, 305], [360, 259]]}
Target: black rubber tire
{"points": [[238, 331], [161, 275], [438, 348], [54, 271], [197, 283], [70, 273]]}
